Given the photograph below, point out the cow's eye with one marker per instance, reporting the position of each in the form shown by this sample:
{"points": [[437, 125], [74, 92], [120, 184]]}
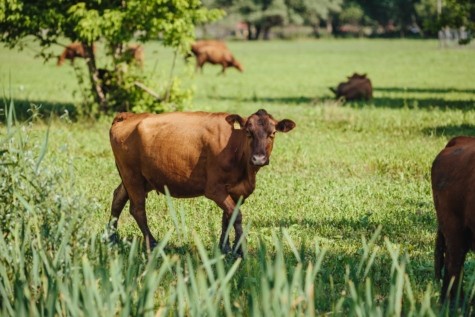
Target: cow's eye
{"points": [[272, 135], [249, 134]]}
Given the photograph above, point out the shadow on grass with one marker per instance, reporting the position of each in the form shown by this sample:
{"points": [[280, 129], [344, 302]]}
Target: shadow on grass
{"points": [[451, 130], [25, 109], [425, 90], [296, 100], [415, 103], [380, 102]]}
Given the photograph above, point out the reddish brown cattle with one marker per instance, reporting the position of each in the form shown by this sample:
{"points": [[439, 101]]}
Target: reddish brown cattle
{"points": [[218, 56], [134, 53], [453, 189], [192, 154], [357, 87], [198, 45], [72, 51]]}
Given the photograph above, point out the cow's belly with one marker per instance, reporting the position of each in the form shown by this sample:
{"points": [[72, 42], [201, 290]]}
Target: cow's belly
{"points": [[179, 184], [181, 191]]}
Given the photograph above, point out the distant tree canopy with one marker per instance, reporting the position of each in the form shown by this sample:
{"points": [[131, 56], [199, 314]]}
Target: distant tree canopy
{"points": [[381, 17], [114, 22], [262, 15], [458, 13]]}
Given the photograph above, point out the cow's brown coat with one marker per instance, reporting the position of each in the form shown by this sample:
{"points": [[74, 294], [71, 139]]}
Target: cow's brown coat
{"points": [[72, 51], [214, 52], [453, 188], [357, 87], [134, 53], [192, 154]]}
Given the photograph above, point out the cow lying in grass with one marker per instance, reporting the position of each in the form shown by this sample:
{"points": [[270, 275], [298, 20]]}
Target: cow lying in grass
{"points": [[73, 51], [453, 188], [192, 154], [357, 87]]}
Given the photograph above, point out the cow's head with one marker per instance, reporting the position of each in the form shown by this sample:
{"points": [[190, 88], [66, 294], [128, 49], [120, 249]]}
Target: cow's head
{"points": [[260, 129], [238, 65]]}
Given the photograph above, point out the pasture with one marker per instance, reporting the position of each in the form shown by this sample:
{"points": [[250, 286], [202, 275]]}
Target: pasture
{"points": [[346, 196]]}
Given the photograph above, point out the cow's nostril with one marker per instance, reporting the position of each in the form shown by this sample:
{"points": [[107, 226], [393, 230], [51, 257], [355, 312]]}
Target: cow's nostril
{"points": [[259, 159]]}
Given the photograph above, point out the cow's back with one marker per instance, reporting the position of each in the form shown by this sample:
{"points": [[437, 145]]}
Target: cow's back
{"points": [[173, 149], [453, 181]]}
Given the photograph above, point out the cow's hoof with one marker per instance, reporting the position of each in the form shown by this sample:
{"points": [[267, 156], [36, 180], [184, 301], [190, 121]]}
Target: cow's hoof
{"points": [[114, 238], [239, 253], [226, 249], [151, 245]]}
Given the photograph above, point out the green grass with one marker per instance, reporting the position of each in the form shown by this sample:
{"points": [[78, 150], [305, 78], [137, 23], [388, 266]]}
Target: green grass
{"points": [[345, 171]]}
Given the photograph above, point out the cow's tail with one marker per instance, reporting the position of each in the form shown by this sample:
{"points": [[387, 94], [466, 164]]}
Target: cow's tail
{"points": [[439, 254], [333, 90]]}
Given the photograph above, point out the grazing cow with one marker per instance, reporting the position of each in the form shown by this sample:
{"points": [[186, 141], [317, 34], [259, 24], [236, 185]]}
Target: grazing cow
{"points": [[453, 189], [192, 154], [134, 53], [198, 45], [72, 51], [357, 87], [218, 56]]}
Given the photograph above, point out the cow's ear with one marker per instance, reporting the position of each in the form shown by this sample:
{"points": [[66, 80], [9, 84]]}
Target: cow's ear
{"points": [[285, 125], [235, 118]]}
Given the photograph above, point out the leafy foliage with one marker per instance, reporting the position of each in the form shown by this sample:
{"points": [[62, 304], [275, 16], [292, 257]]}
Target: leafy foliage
{"points": [[262, 15], [458, 13], [114, 22]]}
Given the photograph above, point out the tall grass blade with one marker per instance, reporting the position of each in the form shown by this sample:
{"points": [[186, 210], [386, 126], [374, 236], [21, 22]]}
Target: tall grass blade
{"points": [[43, 150]]}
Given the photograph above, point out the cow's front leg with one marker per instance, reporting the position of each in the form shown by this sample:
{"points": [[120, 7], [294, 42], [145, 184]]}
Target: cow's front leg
{"points": [[227, 204], [224, 244]]}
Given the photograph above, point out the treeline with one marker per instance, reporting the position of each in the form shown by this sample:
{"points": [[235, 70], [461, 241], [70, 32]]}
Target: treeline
{"points": [[257, 19]]}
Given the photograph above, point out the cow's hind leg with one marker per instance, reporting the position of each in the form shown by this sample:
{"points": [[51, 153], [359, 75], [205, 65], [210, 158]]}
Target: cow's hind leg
{"points": [[439, 254], [137, 187], [456, 251], [119, 199]]}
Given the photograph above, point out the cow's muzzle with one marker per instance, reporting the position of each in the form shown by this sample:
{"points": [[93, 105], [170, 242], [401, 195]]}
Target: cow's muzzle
{"points": [[259, 160]]}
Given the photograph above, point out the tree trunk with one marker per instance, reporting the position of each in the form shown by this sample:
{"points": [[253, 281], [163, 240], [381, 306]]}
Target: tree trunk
{"points": [[258, 32], [249, 31], [96, 86], [316, 30], [266, 34]]}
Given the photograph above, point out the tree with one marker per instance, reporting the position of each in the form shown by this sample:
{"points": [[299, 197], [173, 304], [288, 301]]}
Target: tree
{"points": [[115, 22], [391, 13], [457, 14], [314, 12], [261, 15]]}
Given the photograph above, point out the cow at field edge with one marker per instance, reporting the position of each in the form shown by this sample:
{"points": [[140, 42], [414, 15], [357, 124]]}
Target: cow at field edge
{"points": [[217, 56], [72, 51], [357, 87], [453, 189], [192, 154], [134, 53]]}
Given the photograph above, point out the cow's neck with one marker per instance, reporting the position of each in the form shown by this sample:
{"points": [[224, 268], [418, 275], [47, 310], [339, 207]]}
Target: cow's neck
{"points": [[243, 157]]}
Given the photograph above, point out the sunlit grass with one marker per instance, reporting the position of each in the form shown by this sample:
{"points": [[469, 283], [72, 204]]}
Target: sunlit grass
{"points": [[344, 172]]}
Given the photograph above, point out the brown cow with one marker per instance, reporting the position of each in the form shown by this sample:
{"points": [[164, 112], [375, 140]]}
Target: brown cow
{"points": [[218, 56], [134, 53], [198, 45], [453, 189], [357, 87], [192, 154], [72, 51]]}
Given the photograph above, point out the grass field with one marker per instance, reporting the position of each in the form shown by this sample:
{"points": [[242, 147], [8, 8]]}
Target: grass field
{"points": [[346, 171]]}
